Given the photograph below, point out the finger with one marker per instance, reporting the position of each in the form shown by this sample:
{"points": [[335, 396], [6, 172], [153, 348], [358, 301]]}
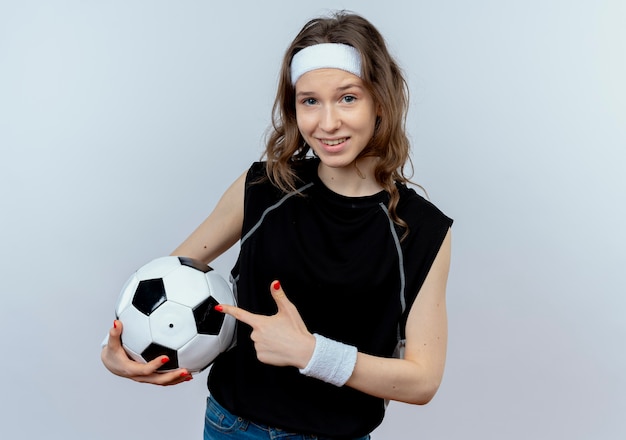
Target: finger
{"points": [[174, 377], [148, 372], [170, 378], [155, 364], [115, 335], [279, 296], [238, 313]]}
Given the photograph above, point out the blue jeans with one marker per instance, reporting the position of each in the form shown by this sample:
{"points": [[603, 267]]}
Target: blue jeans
{"points": [[220, 424]]}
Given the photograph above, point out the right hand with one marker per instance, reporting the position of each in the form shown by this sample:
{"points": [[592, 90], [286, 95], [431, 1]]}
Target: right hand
{"points": [[117, 362]]}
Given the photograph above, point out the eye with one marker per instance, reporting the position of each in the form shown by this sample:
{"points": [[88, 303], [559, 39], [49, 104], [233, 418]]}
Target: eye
{"points": [[309, 101], [349, 99]]}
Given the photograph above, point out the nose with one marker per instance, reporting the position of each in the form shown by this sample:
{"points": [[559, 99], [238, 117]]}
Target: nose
{"points": [[330, 120]]}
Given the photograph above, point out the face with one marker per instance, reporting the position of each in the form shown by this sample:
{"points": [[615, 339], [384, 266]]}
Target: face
{"points": [[336, 115]]}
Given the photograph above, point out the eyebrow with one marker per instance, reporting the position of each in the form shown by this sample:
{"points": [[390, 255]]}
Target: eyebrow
{"points": [[338, 89]]}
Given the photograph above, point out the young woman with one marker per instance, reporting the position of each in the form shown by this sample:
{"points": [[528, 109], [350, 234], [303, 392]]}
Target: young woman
{"points": [[342, 271]]}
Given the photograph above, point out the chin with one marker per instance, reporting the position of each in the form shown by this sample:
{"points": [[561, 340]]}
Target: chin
{"points": [[336, 162]]}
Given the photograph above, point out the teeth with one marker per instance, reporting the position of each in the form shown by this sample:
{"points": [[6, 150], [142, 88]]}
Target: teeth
{"points": [[332, 142]]}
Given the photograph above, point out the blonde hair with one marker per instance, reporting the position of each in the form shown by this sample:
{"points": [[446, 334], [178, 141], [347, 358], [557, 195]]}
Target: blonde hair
{"points": [[381, 76]]}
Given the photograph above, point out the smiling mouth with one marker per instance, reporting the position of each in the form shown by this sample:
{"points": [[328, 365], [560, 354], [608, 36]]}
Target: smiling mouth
{"points": [[333, 142]]}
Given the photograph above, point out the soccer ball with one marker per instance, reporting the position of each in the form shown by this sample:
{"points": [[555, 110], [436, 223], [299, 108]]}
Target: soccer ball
{"points": [[167, 308]]}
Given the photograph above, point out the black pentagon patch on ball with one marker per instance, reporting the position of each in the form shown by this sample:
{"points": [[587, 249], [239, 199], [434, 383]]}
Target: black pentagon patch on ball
{"points": [[155, 350], [208, 320], [198, 265], [150, 294]]}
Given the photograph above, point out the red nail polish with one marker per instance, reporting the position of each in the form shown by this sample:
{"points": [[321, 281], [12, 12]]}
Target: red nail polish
{"points": [[165, 360], [276, 285], [183, 374], [219, 308], [114, 324]]}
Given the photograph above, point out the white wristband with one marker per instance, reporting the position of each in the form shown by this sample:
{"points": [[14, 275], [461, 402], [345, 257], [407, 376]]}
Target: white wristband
{"points": [[332, 361]]}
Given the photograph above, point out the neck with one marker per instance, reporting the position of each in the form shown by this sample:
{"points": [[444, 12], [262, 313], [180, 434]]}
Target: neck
{"points": [[355, 180]]}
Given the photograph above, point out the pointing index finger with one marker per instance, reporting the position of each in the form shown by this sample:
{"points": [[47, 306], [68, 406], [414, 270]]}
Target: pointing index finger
{"points": [[237, 313]]}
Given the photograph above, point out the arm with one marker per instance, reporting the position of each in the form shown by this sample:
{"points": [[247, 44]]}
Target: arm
{"points": [[416, 378], [283, 339], [220, 230], [216, 234]]}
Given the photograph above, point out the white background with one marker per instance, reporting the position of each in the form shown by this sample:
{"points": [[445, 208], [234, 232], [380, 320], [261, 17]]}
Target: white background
{"points": [[122, 122]]}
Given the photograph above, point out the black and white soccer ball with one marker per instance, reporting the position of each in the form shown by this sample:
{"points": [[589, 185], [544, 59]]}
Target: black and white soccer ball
{"points": [[167, 308]]}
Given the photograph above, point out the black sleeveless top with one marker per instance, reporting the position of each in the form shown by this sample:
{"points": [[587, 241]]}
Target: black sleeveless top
{"points": [[341, 262]]}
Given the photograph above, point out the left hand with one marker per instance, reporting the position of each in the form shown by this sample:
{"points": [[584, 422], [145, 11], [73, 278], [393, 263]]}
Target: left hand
{"points": [[281, 339]]}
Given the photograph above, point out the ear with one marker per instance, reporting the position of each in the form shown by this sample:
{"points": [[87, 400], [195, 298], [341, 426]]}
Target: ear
{"points": [[378, 105]]}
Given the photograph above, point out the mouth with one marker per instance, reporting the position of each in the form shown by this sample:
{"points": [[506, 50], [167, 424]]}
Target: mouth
{"points": [[333, 142]]}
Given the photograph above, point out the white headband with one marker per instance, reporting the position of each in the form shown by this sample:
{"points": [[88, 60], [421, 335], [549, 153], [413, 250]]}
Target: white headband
{"points": [[325, 56]]}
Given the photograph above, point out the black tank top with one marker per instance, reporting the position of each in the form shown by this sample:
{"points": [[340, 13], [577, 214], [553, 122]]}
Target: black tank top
{"points": [[341, 262]]}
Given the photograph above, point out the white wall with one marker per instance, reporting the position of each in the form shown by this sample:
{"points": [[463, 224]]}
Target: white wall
{"points": [[121, 123]]}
